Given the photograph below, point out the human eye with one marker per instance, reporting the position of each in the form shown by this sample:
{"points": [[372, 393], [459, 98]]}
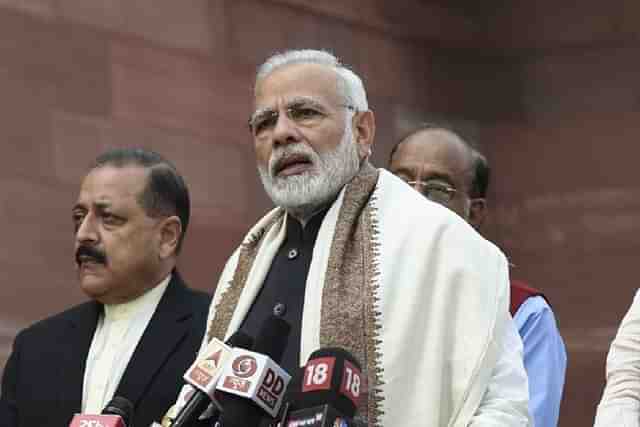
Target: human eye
{"points": [[300, 113], [110, 219], [438, 191], [263, 122], [77, 217]]}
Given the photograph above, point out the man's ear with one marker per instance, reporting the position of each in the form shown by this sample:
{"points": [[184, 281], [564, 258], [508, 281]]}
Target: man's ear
{"points": [[170, 232], [364, 130], [478, 212]]}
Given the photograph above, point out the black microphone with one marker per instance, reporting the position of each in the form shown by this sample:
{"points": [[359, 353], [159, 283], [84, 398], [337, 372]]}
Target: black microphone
{"points": [[326, 391], [117, 413], [122, 407], [204, 374], [253, 384]]}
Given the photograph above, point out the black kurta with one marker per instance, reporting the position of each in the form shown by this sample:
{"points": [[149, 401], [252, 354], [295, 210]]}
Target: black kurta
{"points": [[283, 290]]}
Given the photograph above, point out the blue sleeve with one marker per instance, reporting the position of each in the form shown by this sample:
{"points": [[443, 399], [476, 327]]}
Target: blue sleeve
{"points": [[545, 359]]}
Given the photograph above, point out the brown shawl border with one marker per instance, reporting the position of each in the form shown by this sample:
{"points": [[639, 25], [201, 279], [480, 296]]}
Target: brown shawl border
{"points": [[229, 299], [373, 324], [350, 295]]}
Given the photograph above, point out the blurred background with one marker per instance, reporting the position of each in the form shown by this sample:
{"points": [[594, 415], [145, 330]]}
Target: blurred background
{"points": [[549, 91]]}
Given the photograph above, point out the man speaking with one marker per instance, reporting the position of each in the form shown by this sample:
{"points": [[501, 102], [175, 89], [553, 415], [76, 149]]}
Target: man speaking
{"points": [[353, 258], [138, 334]]}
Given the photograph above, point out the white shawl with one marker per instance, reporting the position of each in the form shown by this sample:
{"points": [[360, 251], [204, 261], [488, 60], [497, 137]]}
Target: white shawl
{"points": [[439, 292]]}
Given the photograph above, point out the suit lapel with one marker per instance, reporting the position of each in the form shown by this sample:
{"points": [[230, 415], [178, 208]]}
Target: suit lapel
{"points": [[166, 329], [77, 338]]}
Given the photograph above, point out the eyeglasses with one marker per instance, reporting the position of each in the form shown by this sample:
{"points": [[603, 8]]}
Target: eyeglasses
{"points": [[304, 113], [435, 191]]}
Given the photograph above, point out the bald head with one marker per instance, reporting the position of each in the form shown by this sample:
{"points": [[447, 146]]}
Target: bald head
{"points": [[440, 165]]}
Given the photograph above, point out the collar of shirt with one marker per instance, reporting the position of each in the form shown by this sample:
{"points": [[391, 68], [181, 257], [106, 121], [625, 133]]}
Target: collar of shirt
{"points": [[147, 301], [308, 233]]}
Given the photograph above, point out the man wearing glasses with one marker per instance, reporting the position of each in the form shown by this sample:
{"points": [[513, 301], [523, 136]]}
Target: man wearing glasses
{"points": [[353, 258], [447, 170]]}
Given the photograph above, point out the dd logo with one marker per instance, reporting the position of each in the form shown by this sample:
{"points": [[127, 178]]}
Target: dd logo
{"points": [[273, 382], [90, 423], [244, 366]]}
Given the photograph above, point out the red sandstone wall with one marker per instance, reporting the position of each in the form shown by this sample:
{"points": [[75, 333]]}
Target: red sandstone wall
{"points": [[563, 142], [549, 91]]}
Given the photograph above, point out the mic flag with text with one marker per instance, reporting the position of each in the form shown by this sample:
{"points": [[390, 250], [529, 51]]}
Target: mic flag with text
{"points": [[326, 392], [117, 413], [204, 374], [255, 377], [252, 384]]}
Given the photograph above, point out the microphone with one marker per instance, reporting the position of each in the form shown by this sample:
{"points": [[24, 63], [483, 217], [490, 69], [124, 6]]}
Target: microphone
{"points": [[204, 374], [326, 391], [117, 413], [253, 383]]}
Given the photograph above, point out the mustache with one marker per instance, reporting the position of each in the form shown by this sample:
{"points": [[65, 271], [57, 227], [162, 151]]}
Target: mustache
{"points": [[281, 154], [94, 254]]}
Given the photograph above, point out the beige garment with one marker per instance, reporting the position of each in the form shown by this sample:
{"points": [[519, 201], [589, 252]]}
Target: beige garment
{"points": [[620, 404]]}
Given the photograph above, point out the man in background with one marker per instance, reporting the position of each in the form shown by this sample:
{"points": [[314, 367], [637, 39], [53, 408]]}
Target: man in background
{"points": [[443, 167], [137, 335]]}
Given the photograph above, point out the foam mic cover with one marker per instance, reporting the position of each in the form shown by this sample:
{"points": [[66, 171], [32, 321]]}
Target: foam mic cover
{"points": [[240, 340], [333, 377], [122, 407]]}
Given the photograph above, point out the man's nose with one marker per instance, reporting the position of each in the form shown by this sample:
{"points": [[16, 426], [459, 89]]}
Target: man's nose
{"points": [[286, 131], [87, 231]]}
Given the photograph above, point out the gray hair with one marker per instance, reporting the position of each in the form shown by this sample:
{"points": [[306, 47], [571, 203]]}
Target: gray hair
{"points": [[348, 82]]}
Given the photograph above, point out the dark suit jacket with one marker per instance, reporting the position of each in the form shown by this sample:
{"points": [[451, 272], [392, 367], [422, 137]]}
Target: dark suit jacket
{"points": [[42, 381]]}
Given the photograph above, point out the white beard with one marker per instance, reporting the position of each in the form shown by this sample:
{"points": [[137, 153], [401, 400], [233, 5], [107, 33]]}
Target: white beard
{"points": [[304, 194]]}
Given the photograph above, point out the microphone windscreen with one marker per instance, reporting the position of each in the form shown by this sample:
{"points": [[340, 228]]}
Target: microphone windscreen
{"points": [[120, 406], [273, 338], [332, 376], [240, 340]]}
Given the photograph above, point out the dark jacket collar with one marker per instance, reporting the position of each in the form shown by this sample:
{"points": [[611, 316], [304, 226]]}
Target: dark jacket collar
{"points": [[166, 330]]}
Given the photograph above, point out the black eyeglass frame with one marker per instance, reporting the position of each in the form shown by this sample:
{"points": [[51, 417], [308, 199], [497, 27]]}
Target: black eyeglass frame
{"points": [[293, 112], [439, 186]]}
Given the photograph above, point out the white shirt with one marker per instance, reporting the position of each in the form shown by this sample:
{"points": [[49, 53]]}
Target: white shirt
{"points": [[117, 334], [620, 404]]}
